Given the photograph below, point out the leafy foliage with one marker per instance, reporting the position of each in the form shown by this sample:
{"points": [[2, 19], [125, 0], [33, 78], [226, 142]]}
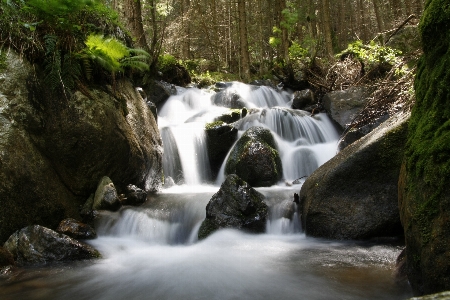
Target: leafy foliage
{"points": [[372, 53]]}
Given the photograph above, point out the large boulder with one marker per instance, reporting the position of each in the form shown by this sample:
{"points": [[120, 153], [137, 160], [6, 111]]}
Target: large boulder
{"points": [[35, 245], [159, 91], [255, 158], [424, 184], [236, 205], [344, 105], [6, 259], [53, 151], [354, 194]]}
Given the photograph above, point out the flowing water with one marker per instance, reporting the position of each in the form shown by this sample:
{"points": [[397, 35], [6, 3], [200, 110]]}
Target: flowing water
{"points": [[152, 251]]}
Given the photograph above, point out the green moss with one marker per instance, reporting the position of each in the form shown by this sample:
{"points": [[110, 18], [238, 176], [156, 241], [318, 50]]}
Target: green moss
{"points": [[428, 146], [213, 125]]}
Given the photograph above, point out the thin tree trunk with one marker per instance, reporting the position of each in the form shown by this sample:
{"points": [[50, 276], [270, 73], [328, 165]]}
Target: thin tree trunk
{"points": [[378, 15], [185, 27], [326, 27], [245, 57], [132, 15]]}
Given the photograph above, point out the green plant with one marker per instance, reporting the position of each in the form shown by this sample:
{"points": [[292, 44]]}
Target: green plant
{"points": [[372, 53], [112, 55]]}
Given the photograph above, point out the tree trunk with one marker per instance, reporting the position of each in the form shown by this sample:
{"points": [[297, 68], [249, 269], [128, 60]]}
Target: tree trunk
{"points": [[132, 17], [326, 27], [379, 16], [284, 31], [185, 27], [245, 57]]}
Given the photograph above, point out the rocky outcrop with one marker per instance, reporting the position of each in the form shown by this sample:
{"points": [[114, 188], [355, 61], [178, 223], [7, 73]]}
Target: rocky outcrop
{"points": [[343, 106], [255, 158], [36, 245], [53, 150], [158, 92], [354, 194], [424, 184], [76, 229], [235, 205]]}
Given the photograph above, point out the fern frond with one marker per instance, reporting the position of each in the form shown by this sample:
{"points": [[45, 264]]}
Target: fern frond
{"points": [[135, 64], [138, 52]]}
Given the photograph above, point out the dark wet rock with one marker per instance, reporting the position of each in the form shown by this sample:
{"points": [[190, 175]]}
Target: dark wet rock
{"points": [[87, 213], [228, 98], [134, 195], [6, 258], [264, 82], [76, 229], [438, 296], [159, 91], [343, 106], [220, 137], [303, 99], [175, 74], [255, 158], [106, 197], [232, 116], [36, 245], [354, 194], [235, 205], [356, 133]]}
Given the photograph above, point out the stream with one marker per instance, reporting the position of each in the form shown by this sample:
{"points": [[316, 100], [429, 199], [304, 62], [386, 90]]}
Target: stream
{"points": [[152, 251]]}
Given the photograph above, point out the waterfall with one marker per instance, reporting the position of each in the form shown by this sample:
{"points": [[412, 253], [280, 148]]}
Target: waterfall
{"points": [[304, 141]]}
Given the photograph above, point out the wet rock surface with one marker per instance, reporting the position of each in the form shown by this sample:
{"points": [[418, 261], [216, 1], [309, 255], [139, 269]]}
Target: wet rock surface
{"points": [[255, 158], [236, 205], [37, 245], [76, 229]]}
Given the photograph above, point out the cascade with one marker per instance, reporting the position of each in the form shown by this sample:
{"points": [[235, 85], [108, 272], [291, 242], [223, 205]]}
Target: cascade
{"points": [[152, 251]]}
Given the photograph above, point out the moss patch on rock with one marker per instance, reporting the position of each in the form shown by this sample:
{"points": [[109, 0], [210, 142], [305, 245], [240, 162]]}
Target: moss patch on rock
{"points": [[424, 193]]}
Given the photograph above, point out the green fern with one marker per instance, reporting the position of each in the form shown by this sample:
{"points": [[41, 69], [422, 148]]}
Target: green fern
{"points": [[112, 55]]}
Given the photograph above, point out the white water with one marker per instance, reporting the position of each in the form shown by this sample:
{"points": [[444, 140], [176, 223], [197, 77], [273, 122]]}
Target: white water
{"points": [[152, 251]]}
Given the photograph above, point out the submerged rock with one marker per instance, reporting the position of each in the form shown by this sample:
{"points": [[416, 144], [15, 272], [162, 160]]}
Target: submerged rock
{"points": [[34, 245], [354, 194], [236, 205], [76, 229], [255, 158], [228, 98], [106, 196]]}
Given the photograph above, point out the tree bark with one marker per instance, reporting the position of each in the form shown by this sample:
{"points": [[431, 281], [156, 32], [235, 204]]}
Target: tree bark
{"points": [[326, 27], [132, 16], [245, 57], [185, 27]]}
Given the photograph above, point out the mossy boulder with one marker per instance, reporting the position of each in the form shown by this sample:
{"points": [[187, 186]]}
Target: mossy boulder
{"points": [[54, 150], [255, 158], [354, 194], [236, 205], [424, 185]]}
